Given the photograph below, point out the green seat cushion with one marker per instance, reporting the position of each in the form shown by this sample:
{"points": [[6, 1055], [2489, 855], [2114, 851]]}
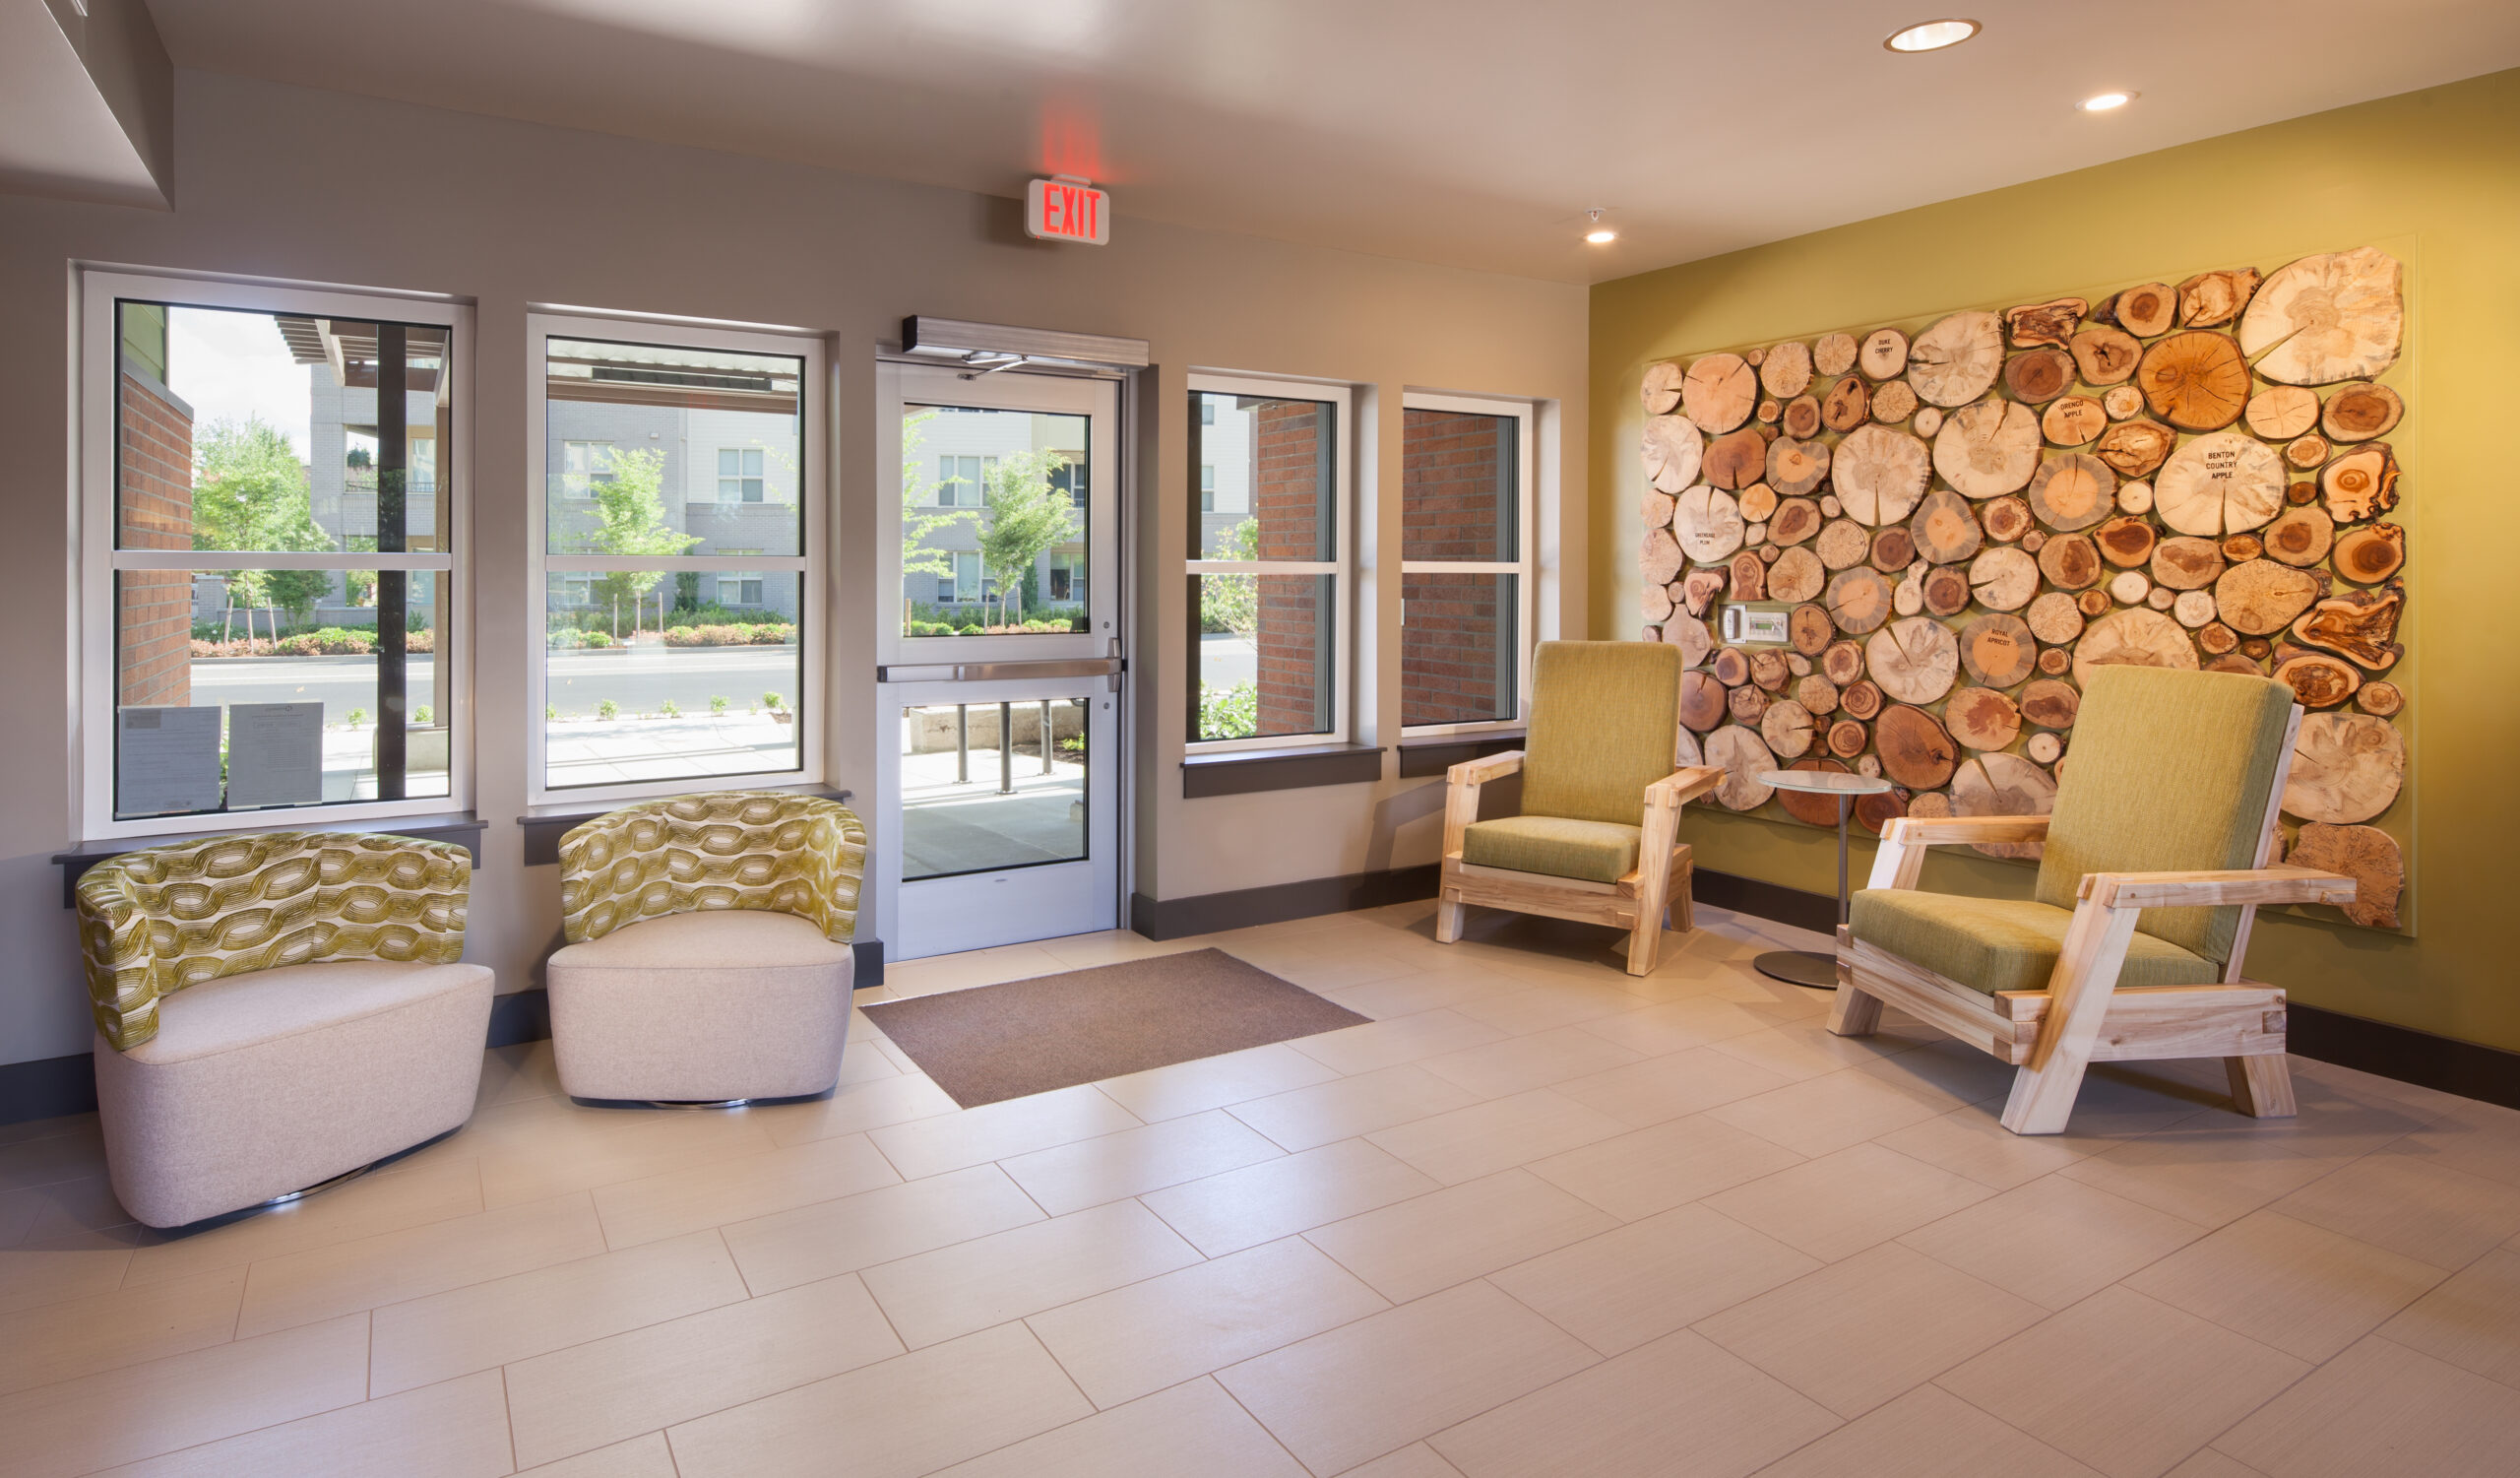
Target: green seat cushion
{"points": [[1995, 944], [1597, 851]]}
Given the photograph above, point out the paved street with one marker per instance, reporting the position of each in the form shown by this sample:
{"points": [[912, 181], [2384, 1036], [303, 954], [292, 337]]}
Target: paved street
{"points": [[640, 679]]}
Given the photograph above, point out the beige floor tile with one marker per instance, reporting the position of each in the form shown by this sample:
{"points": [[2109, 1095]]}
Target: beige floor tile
{"points": [[2482, 1139], [104, 1331], [63, 1208], [1974, 1142], [1929, 1433], [458, 1430], [1645, 1171], [525, 1069], [1240, 1208], [2383, 1409], [646, 1456], [184, 1401], [1111, 947], [2336, 1122], [2303, 1289], [1518, 1065], [299, 1288], [855, 1232], [1841, 1204], [1463, 1232], [1799, 1050], [45, 1129], [878, 1103], [1495, 1135], [1866, 1331], [994, 1131], [1191, 1429], [1337, 968], [76, 1151], [1830, 1112], [1538, 1008], [865, 1062], [591, 1394], [2472, 1321], [2207, 1177], [2212, 1465], [438, 1185], [1949, 1072], [1308, 1118], [1134, 1341], [1417, 1460], [1622, 1288], [545, 1147], [740, 1188], [1113, 1167], [938, 1296], [1232, 1077], [1428, 990], [2053, 1242], [1660, 1089], [904, 979], [1680, 1406], [80, 1266], [2411, 1204], [1380, 1384], [1697, 1021], [489, 1325], [2125, 1383], [900, 1418], [1403, 1039]]}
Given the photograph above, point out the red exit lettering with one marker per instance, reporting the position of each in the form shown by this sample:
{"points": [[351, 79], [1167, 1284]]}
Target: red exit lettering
{"points": [[1067, 209]]}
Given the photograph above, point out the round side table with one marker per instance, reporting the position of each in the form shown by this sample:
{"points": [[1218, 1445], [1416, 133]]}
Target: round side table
{"points": [[1809, 967]]}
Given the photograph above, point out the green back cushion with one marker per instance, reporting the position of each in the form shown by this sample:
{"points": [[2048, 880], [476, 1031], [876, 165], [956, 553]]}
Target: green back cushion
{"points": [[2169, 772], [1604, 715]]}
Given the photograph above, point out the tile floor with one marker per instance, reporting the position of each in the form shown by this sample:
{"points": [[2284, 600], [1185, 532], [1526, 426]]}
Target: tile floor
{"points": [[1536, 1218]]}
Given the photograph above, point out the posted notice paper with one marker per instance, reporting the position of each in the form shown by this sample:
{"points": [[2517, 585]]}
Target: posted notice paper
{"points": [[274, 754], [166, 759]]}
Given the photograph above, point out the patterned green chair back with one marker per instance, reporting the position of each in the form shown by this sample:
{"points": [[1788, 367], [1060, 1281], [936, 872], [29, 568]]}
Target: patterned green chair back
{"points": [[1604, 720], [2169, 772], [154, 921], [786, 854]]}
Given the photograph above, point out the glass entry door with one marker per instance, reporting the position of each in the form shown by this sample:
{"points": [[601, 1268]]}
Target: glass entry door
{"points": [[998, 819]]}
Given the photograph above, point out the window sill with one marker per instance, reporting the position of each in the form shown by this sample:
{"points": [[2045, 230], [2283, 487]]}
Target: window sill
{"points": [[1438, 752], [545, 825], [463, 828], [1239, 772]]}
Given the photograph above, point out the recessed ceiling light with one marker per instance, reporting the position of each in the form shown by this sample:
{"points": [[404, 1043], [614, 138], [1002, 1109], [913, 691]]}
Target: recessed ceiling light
{"points": [[1600, 234], [1931, 36], [2105, 101]]}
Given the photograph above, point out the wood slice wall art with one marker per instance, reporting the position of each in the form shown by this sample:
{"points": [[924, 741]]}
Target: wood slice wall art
{"points": [[1970, 512]]}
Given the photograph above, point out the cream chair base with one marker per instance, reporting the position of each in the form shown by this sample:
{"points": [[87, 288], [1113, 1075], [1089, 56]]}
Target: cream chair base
{"points": [[701, 1007], [261, 1085]]}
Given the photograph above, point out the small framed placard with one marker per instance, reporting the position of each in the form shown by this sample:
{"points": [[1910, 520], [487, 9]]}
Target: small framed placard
{"points": [[165, 760], [1754, 624]]}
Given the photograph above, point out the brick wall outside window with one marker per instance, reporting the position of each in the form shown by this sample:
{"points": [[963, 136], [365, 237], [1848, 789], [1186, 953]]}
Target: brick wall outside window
{"points": [[1290, 488], [1455, 480], [154, 622]]}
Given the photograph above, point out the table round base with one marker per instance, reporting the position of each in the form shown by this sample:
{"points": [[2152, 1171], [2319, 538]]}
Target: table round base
{"points": [[1800, 967]]}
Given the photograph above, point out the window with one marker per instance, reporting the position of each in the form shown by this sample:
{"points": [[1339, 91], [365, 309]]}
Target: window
{"points": [[739, 478], [1465, 569], [962, 482], [680, 589], [967, 577], [1268, 563], [272, 548]]}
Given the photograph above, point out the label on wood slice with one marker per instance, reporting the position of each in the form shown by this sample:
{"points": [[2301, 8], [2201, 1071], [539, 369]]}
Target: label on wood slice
{"points": [[2335, 316], [2365, 854], [2133, 637], [2051, 705], [2220, 484], [1884, 354], [1998, 649], [1957, 359], [1981, 718], [2347, 767], [1916, 749], [1915, 660], [2073, 421], [1986, 449], [1707, 525]]}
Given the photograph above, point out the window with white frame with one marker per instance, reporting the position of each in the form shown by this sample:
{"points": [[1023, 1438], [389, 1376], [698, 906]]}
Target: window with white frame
{"points": [[716, 680], [1465, 561], [272, 545], [1269, 562], [583, 464], [962, 482]]}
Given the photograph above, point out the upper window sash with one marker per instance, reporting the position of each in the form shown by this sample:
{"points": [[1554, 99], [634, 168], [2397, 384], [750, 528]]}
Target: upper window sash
{"points": [[1523, 532]]}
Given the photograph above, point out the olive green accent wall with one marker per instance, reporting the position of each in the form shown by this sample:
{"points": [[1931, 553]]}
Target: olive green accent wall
{"points": [[2431, 177]]}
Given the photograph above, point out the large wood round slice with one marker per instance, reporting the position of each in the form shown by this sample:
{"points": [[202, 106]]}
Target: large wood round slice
{"points": [[1915, 660], [2360, 484], [2370, 553], [2106, 355], [1731, 667], [1916, 749], [1883, 354], [1673, 451], [1880, 472], [1833, 353], [1957, 359], [2360, 412], [2126, 541], [1944, 589], [1847, 405], [2003, 785], [2365, 854], [2347, 767], [1858, 601], [1758, 502], [2185, 563], [1843, 662], [2134, 448], [1981, 718], [2302, 537], [1894, 549], [2073, 421], [2335, 316], [2143, 310], [1860, 699], [1816, 693], [1747, 577], [2039, 375], [2051, 705], [1843, 543], [1987, 449], [1744, 757], [1807, 628], [2072, 492], [1707, 523], [2054, 618], [1801, 418], [2317, 680], [2070, 561], [2262, 596], [2197, 381], [1945, 528], [2224, 483], [1746, 703], [2003, 578], [1998, 649], [1786, 728], [1718, 392], [1795, 468], [1794, 520], [2137, 636], [1785, 372], [1736, 459], [1662, 387], [1660, 560], [1813, 808], [2282, 413], [1701, 700], [1769, 669], [1797, 576], [1691, 636]]}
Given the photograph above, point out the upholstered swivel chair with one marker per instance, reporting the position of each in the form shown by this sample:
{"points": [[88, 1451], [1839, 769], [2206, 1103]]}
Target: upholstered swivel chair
{"points": [[1598, 839], [2155, 865], [275, 1011], [709, 948]]}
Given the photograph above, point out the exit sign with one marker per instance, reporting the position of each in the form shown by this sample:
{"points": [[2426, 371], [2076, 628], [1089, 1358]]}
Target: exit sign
{"points": [[1065, 209]]}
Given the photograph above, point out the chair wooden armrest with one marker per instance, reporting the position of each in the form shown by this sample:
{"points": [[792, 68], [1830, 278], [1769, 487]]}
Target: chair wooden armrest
{"points": [[1901, 856], [2216, 889], [1486, 768], [1683, 785], [1461, 793]]}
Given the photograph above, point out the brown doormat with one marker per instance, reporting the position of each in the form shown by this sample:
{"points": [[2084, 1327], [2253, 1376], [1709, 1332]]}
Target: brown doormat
{"points": [[1030, 1036]]}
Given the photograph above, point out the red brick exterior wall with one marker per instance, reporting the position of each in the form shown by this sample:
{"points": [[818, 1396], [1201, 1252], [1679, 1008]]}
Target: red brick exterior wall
{"points": [[1452, 470], [1290, 490], [155, 627]]}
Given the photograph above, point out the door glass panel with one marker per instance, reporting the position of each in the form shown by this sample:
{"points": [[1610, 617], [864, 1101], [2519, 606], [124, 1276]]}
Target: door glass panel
{"points": [[994, 521], [973, 802]]}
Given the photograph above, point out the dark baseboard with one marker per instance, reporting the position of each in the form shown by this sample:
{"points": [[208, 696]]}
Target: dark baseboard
{"points": [[1816, 911], [2467, 1069], [520, 1017], [1207, 913], [47, 1088]]}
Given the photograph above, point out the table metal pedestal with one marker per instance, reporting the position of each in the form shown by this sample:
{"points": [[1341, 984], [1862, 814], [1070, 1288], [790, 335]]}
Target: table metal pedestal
{"points": [[1811, 967]]}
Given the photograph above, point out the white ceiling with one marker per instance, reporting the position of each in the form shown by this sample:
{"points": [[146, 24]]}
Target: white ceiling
{"points": [[1472, 132]]}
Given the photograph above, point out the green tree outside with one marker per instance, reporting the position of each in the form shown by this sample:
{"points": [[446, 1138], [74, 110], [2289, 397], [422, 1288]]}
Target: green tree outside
{"points": [[918, 520], [249, 492], [1026, 515], [630, 514]]}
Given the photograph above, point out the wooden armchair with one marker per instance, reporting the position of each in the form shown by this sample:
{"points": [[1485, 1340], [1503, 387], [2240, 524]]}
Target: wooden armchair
{"points": [[1598, 836], [2166, 803]]}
